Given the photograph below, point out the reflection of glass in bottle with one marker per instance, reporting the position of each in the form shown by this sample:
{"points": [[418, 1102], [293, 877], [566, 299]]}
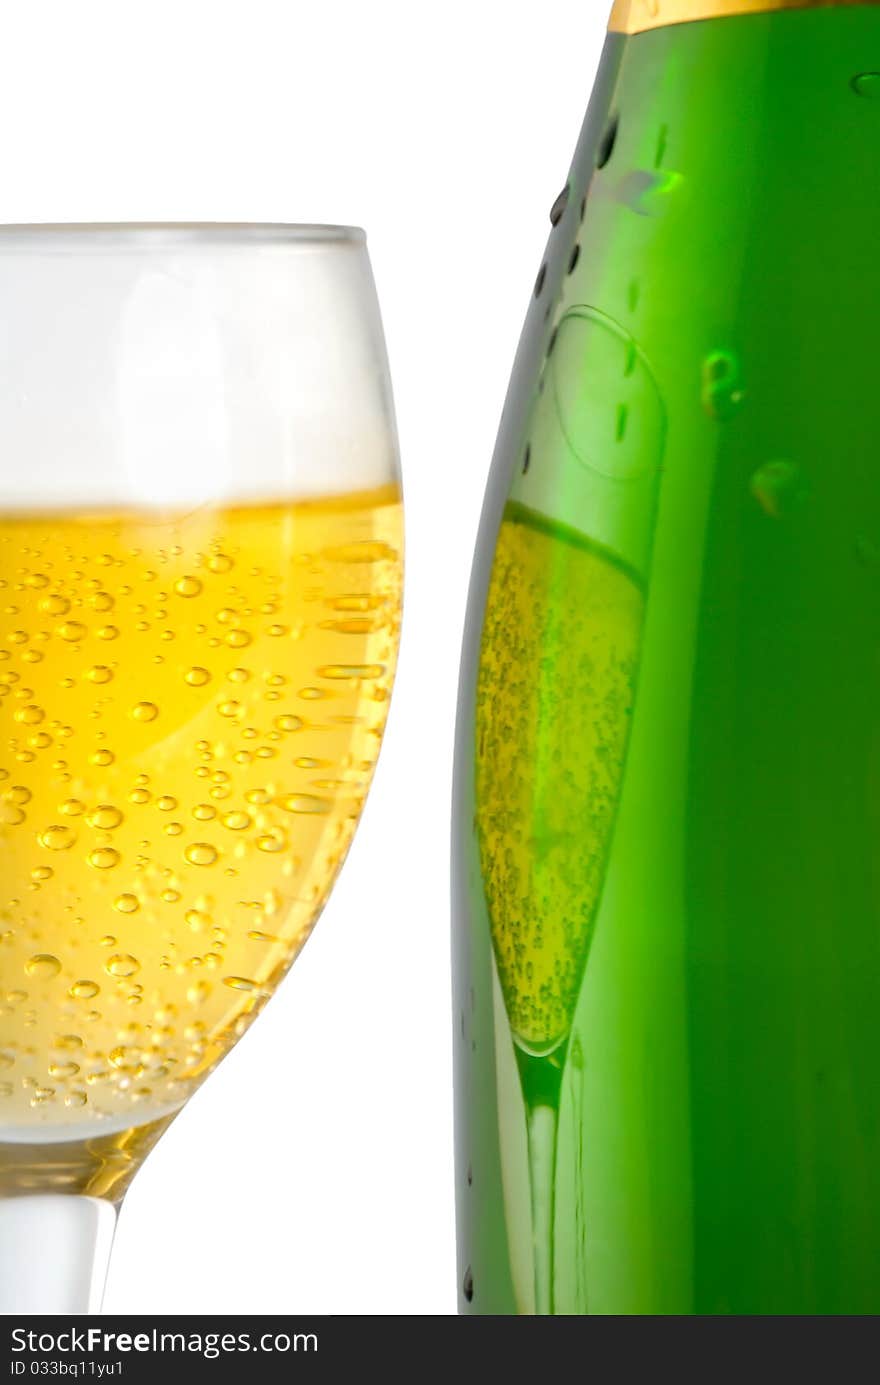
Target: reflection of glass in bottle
{"points": [[558, 662], [666, 780]]}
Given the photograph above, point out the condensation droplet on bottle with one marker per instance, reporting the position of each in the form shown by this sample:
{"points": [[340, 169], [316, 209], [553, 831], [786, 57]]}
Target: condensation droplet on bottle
{"points": [[468, 1285], [197, 677], [779, 488], [105, 817], [721, 392], [648, 192], [557, 211], [126, 904], [607, 142], [867, 84]]}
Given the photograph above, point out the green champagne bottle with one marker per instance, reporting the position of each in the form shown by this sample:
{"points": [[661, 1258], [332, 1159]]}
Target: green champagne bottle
{"points": [[667, 798]]}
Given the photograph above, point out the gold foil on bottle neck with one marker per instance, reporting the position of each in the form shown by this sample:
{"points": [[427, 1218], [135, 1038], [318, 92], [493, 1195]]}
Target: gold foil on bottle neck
{"points": [[634, 16]]}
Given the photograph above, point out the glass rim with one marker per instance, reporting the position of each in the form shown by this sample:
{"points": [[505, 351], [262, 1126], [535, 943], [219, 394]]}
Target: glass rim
{"points": [[173, 233]]}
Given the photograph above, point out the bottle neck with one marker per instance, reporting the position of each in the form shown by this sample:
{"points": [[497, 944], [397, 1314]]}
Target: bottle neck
{"points": [[633, 16]]}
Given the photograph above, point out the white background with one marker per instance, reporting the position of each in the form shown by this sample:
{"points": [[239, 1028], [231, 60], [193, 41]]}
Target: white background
{"points": [[313, 1171]]}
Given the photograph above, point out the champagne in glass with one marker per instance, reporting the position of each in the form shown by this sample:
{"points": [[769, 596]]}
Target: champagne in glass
{"points": [[196, 657], [667, 916]]}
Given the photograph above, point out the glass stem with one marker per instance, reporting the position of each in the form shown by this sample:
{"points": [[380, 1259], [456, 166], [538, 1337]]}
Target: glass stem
{"points": [[543, 1128], [54, 1251], [541, 1079]]}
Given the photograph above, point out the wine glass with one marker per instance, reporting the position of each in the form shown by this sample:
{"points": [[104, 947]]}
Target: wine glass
{"points": [[200, 572]]}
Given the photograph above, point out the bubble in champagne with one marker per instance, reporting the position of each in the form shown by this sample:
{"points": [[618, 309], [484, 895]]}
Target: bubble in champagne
{"points": [[58, 837], [145, 711], [304, 803], [197, 677], [201, 854], [63, 1070], [104, 858], [55, 604], [126, 904], [30, 715], [43, 966], [122, 964], [275, 840], [351, 671], [105, 817], [188, 586], [84, 990]]}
